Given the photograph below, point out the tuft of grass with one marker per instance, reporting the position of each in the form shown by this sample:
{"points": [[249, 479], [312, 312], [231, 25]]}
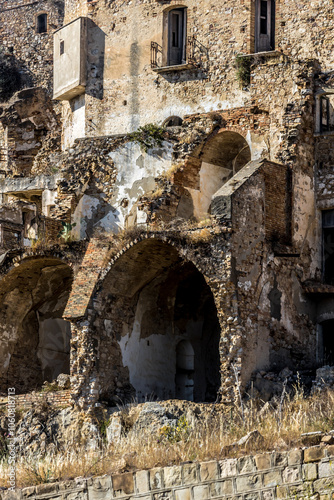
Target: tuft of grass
{"points": [[200, 236], [169, 173]]}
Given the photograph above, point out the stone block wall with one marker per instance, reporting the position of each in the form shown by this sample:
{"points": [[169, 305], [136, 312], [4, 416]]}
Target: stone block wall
{"points": [[299, 474]]}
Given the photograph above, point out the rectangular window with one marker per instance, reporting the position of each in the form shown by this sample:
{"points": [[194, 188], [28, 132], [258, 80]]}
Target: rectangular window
{"points": [[328, 246], [61, 47], [42, 23], [176, 37], [175, 21], [264, 25], [325, 113], [264, 18]]}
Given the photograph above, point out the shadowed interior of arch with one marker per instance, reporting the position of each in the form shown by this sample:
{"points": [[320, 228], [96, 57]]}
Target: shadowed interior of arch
{"points": [[154, 300], [221, 157], [35, 344]]}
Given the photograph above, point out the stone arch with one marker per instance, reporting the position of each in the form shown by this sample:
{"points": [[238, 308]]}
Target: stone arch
{"points": [[172, 121], [151, 299], [216, 160], [34, 339], [227, 149]]}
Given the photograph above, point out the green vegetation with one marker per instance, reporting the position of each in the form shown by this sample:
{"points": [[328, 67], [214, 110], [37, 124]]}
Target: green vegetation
{"points": [[243, 67], [65, 233], [176, 433], [148, 136]]}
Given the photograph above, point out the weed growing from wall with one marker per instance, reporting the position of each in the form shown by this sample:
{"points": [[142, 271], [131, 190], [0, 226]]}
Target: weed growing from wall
{"points": [[65, 233], [148, 136], [243, 69]]}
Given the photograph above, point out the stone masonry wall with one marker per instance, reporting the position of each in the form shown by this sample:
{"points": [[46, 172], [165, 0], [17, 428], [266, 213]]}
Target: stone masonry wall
{"points": [[132, 94], [298, 474], [33, 51]]}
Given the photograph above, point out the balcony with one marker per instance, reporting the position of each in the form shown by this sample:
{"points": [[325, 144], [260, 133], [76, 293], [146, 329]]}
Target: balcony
{"points": [[197, 57]]}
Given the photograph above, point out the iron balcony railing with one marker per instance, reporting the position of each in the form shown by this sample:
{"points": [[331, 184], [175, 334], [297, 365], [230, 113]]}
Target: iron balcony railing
{"points": [[197, 56]]}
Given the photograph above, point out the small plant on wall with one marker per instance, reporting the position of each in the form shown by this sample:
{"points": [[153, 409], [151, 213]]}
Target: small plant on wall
{"points": [[65, 233], [148, 136], [243, 69]]}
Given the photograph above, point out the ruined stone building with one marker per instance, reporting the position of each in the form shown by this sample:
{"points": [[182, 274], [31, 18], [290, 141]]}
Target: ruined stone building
{"points": [[167, 194]]}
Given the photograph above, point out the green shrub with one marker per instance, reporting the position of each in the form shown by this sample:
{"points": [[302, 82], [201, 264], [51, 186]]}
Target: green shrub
{"points": [[243, 67], [148, 136]]}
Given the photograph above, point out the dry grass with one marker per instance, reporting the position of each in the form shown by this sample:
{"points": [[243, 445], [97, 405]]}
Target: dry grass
{"points": [[206, 437], [169, 173]]}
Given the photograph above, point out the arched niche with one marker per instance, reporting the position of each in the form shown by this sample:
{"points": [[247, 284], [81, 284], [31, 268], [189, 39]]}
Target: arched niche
{"points": [[34, 339], [172, 121], [153, 306], [221, 157]]}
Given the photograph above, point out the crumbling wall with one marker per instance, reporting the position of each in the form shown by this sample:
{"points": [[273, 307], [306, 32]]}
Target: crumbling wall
{"points": [[35, 339], [101, 366], [29, 119]]}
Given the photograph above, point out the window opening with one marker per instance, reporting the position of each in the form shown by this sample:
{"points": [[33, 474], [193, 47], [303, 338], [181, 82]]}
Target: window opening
{"points": [[328, 246], [42, 23], [327, 347], [326, 114], [264, 25], [61, 47], [264, 18], [173, 121], [176, 37]]}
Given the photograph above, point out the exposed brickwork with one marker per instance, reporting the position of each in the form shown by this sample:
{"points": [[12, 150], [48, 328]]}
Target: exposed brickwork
{"points": [[59, 398], [86, 279]]}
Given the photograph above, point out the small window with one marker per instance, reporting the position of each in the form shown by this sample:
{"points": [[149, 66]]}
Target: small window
{"points": [[326, 114], [264, 25], [264, 17], [173, 121], [61, 47], [42, 23], [176, 51]]}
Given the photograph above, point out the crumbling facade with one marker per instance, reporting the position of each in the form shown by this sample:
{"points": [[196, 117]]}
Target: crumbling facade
{"points": [[167, 197]]}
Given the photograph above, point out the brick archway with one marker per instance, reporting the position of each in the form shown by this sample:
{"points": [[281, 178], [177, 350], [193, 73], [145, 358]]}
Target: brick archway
{"points": [[119, 287]]}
